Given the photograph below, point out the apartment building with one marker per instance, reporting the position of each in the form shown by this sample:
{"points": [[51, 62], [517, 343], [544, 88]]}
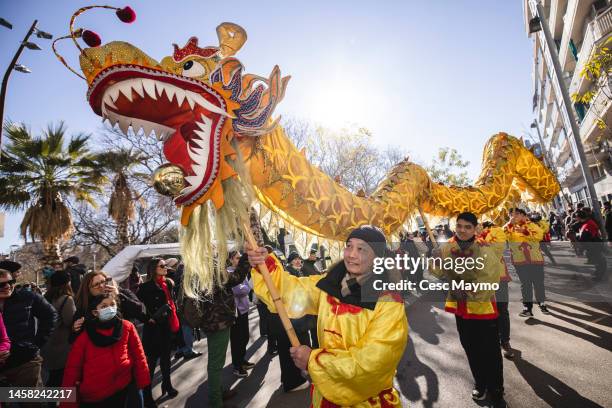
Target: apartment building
{"points": [[579, 28]]}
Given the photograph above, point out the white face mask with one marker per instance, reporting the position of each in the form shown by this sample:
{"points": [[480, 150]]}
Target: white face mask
{"points": [[107, 313]]}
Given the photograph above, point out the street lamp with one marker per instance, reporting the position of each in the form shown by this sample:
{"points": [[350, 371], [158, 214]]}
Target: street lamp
{"points": [[5, 23], [22, 68], [43, 34], [18, 67], [539, 22], [31, 46]]}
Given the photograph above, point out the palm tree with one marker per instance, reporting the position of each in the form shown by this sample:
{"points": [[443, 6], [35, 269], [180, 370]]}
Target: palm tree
{"points": [[39, 174], [121, 205]]}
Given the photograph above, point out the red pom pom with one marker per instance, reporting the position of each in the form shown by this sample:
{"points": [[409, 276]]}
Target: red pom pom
{"points": [[126, 14], [92, 39]]}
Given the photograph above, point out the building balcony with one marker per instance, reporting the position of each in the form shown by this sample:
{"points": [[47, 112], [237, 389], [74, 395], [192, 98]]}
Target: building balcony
{"points": [[571, 175], [596, 33], [601, 108], [573, 21]]}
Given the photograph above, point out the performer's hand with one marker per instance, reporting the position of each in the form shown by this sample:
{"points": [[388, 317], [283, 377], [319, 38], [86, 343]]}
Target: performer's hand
{"points": [[300, 356], [257, 256]]}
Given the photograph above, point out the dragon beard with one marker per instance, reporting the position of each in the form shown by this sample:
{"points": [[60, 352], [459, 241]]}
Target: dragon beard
{"points": [[204, 241]]}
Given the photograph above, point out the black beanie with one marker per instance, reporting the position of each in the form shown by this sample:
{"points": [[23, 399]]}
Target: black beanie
{"points": [[292, 256], [10, 266], [373, 236]]}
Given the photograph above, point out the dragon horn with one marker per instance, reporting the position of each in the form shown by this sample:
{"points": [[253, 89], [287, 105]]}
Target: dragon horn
{"points": [[231, 38]]}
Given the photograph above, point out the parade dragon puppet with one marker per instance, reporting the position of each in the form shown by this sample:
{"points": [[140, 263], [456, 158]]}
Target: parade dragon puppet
{"points": [[225, 151]]}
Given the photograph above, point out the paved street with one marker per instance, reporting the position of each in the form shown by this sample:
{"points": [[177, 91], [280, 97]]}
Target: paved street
{"points": [[563, 360]]}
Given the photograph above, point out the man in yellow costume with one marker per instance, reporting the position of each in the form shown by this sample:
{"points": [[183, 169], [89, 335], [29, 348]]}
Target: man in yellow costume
{"points": [[473, 276], [496, 237], [524, 239], [361, 342]]}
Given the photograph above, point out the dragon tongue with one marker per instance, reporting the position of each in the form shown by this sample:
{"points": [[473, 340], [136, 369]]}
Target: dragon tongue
{"points": [[177, 144]]}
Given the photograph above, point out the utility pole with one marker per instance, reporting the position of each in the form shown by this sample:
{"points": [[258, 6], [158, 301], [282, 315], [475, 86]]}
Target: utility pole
{"points": [[7, 74], [584, 165]]}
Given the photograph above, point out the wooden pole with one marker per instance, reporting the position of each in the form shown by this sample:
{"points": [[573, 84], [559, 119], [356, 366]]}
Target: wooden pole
{"points": [[429, 231], [278, 303]]}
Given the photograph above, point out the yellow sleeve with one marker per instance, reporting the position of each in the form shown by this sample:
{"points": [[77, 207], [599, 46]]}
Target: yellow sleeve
{"points": [[347, 377], [300, 295], [535, 232], [491, 272], [498, 235], [498, 240]]}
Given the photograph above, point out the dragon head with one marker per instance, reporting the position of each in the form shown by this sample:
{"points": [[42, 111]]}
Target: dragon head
{"points": [[197, 101]]}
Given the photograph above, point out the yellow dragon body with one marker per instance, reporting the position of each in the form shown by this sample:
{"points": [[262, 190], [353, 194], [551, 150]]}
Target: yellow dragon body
{"points": [[217, 130]]}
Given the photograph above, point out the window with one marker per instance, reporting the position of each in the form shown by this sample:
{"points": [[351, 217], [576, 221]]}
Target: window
{"points": [[573, 49], [596, 172], [580, 111]]}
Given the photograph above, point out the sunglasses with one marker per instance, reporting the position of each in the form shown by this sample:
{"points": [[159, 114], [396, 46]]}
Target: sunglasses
{"points": [[7, 283], [163, 266]]}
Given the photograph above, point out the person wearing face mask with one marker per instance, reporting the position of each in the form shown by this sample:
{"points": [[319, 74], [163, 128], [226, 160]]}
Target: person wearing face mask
{"points": [[160, 327], [361, 341], [106, 358], [98, 284]]}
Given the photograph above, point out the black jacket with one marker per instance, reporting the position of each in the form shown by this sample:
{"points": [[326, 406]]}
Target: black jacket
{"points": [[27, 335], [153, 296], [131, 307], [219, 312], [310, 268]]}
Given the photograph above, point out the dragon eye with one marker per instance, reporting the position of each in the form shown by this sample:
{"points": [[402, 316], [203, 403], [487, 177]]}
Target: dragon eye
{"points": [[193, 69]]}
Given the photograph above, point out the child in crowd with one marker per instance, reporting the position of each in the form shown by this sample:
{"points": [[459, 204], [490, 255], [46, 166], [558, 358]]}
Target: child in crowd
{"points": [[106, 357]]}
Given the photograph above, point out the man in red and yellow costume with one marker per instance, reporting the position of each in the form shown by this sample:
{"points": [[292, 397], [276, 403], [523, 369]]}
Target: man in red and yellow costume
{"points": [[524, 239], [496, 238], [475, 264], [361, 341]]}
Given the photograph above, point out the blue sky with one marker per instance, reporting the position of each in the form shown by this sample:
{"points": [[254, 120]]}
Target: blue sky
{"points": [[418, 74]]}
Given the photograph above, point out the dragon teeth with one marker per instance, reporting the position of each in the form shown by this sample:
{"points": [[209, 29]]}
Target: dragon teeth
{"points": [[199, 149], [153, 89], [149, 87], [149, 128], [137, 86], [113, 93], [124, 124]]}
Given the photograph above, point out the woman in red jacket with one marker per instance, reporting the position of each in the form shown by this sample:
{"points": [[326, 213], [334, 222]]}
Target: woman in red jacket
{"points": [[105, 358]]}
